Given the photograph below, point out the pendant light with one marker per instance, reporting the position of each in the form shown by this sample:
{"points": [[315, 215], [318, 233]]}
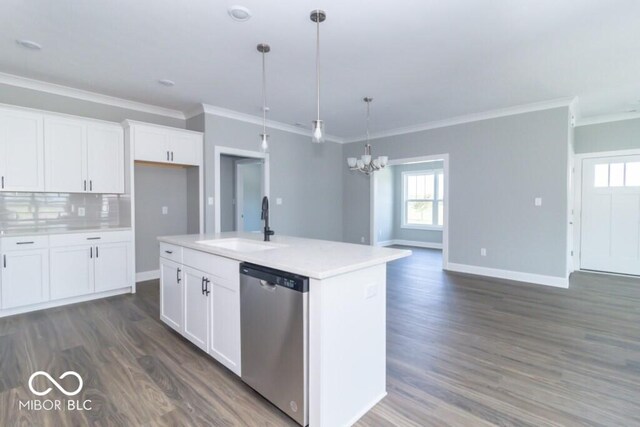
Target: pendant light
{"points": [[264, 48], [366, 164], [317, 128]]}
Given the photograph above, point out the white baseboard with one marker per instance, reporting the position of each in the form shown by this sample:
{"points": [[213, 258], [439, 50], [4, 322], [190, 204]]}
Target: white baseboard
{"points": [[143, 276], [538, 279], [415, 243]]}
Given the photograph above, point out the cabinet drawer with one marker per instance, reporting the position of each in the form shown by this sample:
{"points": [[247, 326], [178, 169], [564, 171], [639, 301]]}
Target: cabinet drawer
{"points": [[171, 252], [97, 238], [24, 242], [219, 267]]}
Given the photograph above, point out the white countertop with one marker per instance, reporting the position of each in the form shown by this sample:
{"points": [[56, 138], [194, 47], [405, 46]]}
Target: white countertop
{"points": [[317, 259], [59, 230]]}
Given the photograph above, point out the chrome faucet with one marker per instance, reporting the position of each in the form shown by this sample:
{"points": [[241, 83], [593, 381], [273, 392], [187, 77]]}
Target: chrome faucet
{"points": [[265, 217]]}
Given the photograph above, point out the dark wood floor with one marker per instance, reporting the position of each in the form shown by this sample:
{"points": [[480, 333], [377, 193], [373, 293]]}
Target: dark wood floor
{"points": [[461, 351]]}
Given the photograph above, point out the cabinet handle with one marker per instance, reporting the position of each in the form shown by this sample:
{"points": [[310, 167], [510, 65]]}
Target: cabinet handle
{"points": [[202, 285], [178, 275], [168, 252], [206, 286], [24, 243], [91, 252], [97, 253], [167, 156], [172, 156], [94, 238], [3, 182], [85, 185], [4, 261], [90, 185]]}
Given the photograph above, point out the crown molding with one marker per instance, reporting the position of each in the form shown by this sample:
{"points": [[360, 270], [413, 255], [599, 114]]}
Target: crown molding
{"points": [[56, 89], [606, 118], [257, 120], [475, 117]]}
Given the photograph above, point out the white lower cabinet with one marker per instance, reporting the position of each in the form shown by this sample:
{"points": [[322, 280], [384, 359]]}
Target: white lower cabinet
{"points": [[71, 271], [196, 307], [204, 303], [111, 266], [25, 278]]}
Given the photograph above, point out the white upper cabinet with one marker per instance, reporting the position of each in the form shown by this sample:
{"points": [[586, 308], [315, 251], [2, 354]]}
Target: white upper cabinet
{"points": [[83, 156], [65, 155], [21, 151], [105, 158], [160, 144]]}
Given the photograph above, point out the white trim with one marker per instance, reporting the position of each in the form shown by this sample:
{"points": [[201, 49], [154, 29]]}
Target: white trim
{"points": [[218, 151], [577, 195], [476, 117], [518, 276], [84, 95], [66, 301], [607, 118], [256, 120], [414, 243], [127, 123], [143, 276], [447, 192]]}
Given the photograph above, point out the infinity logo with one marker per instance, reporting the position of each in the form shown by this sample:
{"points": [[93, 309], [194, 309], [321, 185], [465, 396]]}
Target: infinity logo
{"points": [[59, 387]]}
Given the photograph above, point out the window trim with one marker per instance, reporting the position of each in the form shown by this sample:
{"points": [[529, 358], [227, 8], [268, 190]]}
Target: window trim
{"points": [[437, 198]]}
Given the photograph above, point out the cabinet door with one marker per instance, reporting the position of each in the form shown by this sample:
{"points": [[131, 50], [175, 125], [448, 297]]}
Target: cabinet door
{"points": [[105, 158], [224, 343], [65, 143], [196, 308], [150, 145], [21, 151], [112, 266], [25, 278], [183, 148], [71, 271], [171, 294]]}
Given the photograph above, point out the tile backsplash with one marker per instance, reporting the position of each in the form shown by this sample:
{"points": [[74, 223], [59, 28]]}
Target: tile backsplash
{"points": [[56, 211]]}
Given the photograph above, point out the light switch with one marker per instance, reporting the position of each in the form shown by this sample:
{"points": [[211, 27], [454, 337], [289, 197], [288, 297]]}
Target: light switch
{"points": [[538, 201], [165, 210], [278, 201], [210, 201], [483, 251], [81, 211]]}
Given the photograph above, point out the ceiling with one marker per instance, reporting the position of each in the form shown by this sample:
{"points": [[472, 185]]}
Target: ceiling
{"points": [[421, 60]]}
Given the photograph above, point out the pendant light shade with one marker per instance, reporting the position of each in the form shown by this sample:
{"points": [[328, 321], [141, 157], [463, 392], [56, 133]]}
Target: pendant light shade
{"points": [[317, 128], [264, 48]]}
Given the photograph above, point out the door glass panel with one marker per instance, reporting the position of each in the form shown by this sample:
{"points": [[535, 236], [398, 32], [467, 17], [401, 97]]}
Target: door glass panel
{"points": [[632, 178], [601, 175], [616, 175]]}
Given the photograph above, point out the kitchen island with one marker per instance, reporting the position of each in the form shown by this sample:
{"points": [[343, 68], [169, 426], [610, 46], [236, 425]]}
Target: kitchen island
{"points": [[346, 309]]}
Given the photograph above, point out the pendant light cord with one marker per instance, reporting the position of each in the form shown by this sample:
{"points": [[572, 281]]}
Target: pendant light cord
{"points": [[318, 65], [368, 119], [264, 96]]}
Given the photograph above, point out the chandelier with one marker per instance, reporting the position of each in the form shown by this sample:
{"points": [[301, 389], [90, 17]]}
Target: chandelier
{"points": [[366, 164]]}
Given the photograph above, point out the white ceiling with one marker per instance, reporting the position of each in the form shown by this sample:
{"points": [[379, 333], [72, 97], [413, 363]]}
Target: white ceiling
{"points": [[421, 60]]}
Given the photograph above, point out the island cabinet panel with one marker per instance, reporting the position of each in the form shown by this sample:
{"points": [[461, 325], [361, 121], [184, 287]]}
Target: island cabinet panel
{"points": [[196, 307], [171, 295], [224, 343]]}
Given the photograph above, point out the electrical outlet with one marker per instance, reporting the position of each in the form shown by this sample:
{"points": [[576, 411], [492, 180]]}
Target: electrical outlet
{"points": [[483, 251], [210, 201], [165, 210], [81, 211], [362, 239], [537, 201], [278, 201]]}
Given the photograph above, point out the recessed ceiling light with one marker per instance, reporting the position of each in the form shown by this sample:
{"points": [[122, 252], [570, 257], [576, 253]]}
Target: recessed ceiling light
{"points": [[239, 13], [167, 82], [29, 44]]}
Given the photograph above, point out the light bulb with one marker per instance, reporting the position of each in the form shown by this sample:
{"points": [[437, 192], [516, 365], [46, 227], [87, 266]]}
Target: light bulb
{"points": [[366, 158], [264, 142], [351, 161], [318, 132]]}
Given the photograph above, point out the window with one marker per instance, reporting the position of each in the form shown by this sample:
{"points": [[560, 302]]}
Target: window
{"points": [[422, 200], [617, 174]]}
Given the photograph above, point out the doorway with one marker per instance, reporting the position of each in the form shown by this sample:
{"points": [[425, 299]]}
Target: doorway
{"points": [[248, 194], [610, 214]]}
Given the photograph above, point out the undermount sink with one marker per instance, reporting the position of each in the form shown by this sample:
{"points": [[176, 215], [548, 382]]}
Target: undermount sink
{"points": [[240, 245]]}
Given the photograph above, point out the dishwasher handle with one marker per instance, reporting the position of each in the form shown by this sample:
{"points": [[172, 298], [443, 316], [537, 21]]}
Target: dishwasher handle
{"points": [[268, 285]]}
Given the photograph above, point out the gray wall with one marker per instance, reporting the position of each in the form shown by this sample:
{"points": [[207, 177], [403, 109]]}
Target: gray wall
{"points": [[308, 177], [412, 234], [61, 104], [497, 168], [384, 215], [158, 186], [620, 135]]}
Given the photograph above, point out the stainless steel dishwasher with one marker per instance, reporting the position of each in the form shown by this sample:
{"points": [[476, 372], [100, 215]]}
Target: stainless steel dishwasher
{"points": [[274, 312]]}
